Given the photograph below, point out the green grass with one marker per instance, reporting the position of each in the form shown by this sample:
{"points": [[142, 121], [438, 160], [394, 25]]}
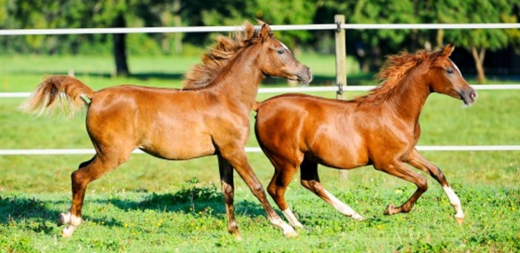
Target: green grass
{"points": [[153, 205]]}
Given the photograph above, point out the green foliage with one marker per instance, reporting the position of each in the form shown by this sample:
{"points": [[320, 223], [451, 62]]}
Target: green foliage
{"points": [[489, 11]]}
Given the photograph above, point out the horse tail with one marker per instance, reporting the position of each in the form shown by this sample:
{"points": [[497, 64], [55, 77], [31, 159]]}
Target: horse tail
{"points": [[65, 93]]}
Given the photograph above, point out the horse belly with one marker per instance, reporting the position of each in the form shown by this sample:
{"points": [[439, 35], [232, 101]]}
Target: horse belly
{"points": [[342, 153], [180, 147]]}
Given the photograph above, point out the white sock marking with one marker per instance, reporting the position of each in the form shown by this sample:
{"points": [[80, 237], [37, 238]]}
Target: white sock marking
{"points": [[289, 215], [343, 208], [454, 201]]}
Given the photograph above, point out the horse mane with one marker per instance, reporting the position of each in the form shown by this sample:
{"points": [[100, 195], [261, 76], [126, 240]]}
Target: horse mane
{"points": [[217, 57], [393, 70]]}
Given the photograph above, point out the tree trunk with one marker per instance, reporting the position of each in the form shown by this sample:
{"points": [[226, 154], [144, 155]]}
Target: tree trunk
{"points": [[439, 39], [479, 62], [177, 22], [120, 47]]}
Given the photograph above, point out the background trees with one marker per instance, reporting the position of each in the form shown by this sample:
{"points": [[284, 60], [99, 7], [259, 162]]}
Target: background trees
{"points": [[368, 46]]}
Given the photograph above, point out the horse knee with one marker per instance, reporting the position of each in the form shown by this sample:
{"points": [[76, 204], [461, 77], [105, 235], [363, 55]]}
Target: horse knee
{"points": [[257, 189]]}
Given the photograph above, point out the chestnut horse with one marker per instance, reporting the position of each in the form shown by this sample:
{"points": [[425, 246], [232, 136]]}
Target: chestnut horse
{"points": [[209, 116], [379, 129]]}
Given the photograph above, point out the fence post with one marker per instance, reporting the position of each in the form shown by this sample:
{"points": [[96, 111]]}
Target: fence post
{"points": [[341, 54], [341, 68]]}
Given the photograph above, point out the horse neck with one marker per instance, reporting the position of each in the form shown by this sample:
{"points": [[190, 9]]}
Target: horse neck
{"points": [[410, 96], [241, 78]]}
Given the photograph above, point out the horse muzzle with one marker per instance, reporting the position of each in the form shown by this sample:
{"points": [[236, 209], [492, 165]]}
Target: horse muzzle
{"points": [[468, 96], [305, 77]]}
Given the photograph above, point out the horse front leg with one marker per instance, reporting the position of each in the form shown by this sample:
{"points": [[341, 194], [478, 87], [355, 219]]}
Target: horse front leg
{"points": [[418, 161], [228, 191], [238, 160]]}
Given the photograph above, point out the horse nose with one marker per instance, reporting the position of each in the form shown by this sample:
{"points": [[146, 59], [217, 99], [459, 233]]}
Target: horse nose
{"points": [[309, 74], [473, 95], [305, 76]]}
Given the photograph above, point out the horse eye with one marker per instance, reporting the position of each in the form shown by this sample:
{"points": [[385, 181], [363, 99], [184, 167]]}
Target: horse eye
{"points": [[449, 71], [281, 51]]}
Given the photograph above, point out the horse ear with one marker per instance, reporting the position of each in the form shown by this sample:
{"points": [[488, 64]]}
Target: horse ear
{"points": [[265, 32], [260, 22], [249, 30], [447, 50], [444, 54]]}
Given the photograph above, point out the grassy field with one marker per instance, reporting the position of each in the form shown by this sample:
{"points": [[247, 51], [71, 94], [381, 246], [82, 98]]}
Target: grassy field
{"points": [[152, 205]]}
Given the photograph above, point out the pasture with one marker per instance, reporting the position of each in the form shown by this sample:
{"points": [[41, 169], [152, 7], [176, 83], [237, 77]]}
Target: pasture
{"points": [[152, 205]]}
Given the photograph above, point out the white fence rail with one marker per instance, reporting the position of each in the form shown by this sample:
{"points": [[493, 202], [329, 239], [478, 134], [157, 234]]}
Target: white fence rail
{"points": [[238, 28]]}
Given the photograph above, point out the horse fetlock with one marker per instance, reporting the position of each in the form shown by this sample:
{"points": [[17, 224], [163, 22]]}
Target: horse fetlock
{"points": [[64, 219]]}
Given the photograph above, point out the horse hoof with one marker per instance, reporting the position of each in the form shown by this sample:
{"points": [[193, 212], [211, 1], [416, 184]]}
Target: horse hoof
{"points": [[308, 229], [459, 220], [298, 226], [390, 209], [67, 232], [291, 234], [238, 237], [358, 217]]}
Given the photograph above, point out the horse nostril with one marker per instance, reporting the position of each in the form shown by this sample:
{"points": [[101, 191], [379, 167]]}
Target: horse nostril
{"points": [[473, 95]]}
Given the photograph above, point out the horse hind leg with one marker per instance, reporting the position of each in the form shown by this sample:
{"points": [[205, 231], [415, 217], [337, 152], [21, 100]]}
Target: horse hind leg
{"points": [[419, 162], [310, 180], [91, 170], [284, 172], [67, 218], [228, 191]]}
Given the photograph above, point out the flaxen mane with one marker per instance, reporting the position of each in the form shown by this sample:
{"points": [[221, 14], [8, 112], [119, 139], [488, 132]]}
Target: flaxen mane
{"points": [[393, 71], [218, 56]]}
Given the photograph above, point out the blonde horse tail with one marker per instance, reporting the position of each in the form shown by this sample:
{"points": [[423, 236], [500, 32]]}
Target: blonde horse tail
{"points": [[65, 93]]}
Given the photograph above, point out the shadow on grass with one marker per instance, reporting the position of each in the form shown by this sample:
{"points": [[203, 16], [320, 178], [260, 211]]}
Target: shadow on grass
{"points": [[15, 210], [195, 200], [40, 216]]}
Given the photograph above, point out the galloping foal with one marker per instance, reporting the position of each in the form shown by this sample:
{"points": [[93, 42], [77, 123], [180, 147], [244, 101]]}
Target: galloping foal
{"points": [[379, 129], [209, 116]]}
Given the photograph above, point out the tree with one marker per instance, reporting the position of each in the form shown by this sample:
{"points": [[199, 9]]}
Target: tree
{"points": [[379, 12], [477, 41]]}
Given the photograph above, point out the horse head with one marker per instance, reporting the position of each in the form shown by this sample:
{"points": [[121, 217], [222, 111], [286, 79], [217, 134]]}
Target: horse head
{"points": [[447, 79], [275, 59]]}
